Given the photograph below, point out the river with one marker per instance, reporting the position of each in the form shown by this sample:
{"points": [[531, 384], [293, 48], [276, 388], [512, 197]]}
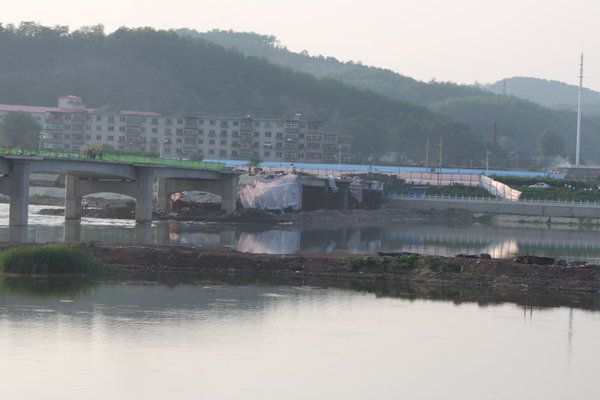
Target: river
{"points": [[219, 341], [225, 338]]}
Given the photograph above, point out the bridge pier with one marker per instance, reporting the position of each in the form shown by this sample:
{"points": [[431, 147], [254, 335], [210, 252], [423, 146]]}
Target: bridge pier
{"points": [[19, 194], [143, 195], [162, 195], [15, 184], [229, 193], [72, 198]]}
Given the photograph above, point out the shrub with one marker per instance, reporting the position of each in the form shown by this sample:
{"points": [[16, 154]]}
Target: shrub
{"points": [[50, 259], [409, 261]]}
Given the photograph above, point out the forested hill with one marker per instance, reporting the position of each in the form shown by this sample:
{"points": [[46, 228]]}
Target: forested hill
{"points": [[379, 80], [548, 93], [161, 71], [520, 123]]}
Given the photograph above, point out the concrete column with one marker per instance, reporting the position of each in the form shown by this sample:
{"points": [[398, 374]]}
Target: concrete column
{"points": [[143, 196], [19, 194], [72, 198], [229, 193], [162, 195]]}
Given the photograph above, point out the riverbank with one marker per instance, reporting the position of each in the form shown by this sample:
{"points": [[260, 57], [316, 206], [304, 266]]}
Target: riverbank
{"points": [[459, 271]]}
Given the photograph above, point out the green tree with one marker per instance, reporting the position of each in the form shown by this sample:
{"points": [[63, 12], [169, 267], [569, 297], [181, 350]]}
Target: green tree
{"points": [[19, 128], [550, 143]]}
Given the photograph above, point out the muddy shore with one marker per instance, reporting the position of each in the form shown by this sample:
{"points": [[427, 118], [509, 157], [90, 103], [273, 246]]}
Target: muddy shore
{"points": [[460, 271]]}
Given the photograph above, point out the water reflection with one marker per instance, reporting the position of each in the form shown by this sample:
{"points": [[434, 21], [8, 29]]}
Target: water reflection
{"points": [[49, 287], [569, 243]]}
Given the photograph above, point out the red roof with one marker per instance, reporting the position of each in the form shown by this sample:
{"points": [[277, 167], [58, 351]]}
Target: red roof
{"points": [[42, 109], [141, 113], [33, 109]]}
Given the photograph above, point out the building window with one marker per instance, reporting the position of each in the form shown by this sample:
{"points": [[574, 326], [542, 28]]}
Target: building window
{"points": [[111, 120], [211, 141], [223, 142], [268, 134], [212, 122], [257, 124], [211, 151], [98, 118], [111, 128], [98, 137]]}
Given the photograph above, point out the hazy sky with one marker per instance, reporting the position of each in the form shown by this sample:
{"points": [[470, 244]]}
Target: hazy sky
{"points": [[463, 41]]}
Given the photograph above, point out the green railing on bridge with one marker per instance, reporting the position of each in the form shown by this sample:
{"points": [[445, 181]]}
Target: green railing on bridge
{"points": [[114, 157]]}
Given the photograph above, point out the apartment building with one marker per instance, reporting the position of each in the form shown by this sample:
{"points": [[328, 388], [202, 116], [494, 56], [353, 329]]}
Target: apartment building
{"points": [[71, 125]]}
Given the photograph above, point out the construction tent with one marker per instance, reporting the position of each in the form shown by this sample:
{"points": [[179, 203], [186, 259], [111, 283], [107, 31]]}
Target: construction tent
{"points": [[275, 192]]}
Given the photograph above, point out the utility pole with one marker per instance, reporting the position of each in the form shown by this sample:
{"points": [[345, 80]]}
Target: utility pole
{"points": [[427, 155], [578, 143], [494, 140], [441, 145]]}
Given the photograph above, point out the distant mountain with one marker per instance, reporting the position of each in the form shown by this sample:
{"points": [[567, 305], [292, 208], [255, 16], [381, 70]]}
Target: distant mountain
{"points": [[548, 93], [379, 80]]}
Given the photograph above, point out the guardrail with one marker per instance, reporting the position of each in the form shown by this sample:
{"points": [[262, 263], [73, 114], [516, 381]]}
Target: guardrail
{"points": [[498, 200]]}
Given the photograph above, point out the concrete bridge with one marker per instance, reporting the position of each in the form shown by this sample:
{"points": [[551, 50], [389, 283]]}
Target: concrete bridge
{"points": [[87, 176]]}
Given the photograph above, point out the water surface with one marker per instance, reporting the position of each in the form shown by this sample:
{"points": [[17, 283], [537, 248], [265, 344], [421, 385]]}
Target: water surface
{"points": [[219, 341]]}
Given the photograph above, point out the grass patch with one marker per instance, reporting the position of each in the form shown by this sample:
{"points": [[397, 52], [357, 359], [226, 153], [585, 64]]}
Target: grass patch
{"points": [[55, 258]]}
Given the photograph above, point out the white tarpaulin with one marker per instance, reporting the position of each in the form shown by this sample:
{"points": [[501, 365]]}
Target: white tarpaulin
{"points": [[499, 189], [273, 193]]}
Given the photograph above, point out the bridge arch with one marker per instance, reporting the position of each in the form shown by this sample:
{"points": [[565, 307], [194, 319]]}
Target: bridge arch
{"points": [[223, 188]]}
